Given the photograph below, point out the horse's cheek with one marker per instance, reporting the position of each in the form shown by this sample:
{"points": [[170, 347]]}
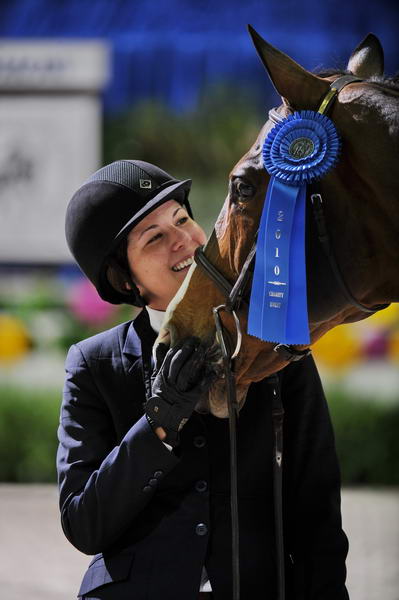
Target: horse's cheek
{"points": [[257, 363]]}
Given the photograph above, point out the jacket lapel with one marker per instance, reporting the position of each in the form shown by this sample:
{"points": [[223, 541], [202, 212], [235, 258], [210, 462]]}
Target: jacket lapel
{"points": [[138, 345]]}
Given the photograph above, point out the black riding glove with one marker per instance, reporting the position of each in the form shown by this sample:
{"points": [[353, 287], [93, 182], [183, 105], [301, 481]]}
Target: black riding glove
{"points": [[177, 385]]}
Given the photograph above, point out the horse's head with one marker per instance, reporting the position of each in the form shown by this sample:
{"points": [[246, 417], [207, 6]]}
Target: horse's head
{"points": [[360, 199]]}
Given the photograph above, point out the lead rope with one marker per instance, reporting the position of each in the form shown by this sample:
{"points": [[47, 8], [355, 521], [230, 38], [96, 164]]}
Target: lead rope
{"points": [[278, 419], [233, 418], [234, 297]]}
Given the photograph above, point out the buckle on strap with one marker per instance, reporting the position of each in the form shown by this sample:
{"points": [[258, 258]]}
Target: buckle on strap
{"points": [[335, 87], [291, 354], [219, 332]]}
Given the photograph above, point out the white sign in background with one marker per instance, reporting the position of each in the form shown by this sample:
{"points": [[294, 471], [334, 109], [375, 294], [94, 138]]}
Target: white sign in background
{"points": [[49, 65], [49, 142], [48, 147]]}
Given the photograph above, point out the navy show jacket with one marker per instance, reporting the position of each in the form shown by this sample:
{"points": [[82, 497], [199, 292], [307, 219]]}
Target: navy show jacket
{"points": [[153, 517]]}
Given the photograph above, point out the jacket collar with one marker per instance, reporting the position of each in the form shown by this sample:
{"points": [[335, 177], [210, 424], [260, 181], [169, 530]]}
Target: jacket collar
{"points": [[140, 334], [132, 345]]}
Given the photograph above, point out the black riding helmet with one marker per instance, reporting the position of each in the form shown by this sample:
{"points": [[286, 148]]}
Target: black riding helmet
{"points": [[107, 206]]}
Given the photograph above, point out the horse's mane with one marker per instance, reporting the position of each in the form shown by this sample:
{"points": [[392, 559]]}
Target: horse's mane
{"points": [[387, 82]]}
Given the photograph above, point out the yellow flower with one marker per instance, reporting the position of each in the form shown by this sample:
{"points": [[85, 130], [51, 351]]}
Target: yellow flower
{"points": [[14, 339], [338, 349]]}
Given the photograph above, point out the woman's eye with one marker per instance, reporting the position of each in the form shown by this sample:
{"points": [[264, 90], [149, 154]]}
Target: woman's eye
{"points": [[245, 190], [182, 220], [154, 238]]}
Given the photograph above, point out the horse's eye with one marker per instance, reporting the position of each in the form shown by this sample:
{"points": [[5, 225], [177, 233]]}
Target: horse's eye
{"points": [[244, 190]]}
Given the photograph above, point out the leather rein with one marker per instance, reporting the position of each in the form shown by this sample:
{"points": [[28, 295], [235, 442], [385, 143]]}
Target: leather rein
{"points": [[234, 296]]}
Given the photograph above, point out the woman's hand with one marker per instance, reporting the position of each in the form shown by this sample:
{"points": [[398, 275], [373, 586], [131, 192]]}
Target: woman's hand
{"points": [[178, 384]]}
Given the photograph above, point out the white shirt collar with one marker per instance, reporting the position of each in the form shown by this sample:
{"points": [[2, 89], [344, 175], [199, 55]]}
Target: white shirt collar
{"points": [[156, 318]]}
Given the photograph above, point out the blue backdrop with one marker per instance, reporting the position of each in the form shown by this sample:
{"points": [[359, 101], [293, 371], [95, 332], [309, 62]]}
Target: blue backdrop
{"points": [[170, 49]]}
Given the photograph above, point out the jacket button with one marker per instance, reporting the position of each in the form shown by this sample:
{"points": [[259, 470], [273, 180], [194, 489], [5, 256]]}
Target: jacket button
{"points": [[158, 474], [201, 529], [199, 441], [147, 488], [153, 482], [201, 485]]}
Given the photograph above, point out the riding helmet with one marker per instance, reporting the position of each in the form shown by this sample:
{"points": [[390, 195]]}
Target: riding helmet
{"points": [[107, 206]]}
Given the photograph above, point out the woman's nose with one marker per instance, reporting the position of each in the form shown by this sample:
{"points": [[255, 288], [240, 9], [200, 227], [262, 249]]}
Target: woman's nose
{"points": [[179, 238]]}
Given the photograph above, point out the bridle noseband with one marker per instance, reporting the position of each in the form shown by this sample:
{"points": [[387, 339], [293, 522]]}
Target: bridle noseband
{"points": [[232, 293]]}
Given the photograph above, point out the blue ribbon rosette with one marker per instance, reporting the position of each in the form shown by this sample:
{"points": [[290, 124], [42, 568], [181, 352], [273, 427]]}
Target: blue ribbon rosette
{"points": [[301, 148]]}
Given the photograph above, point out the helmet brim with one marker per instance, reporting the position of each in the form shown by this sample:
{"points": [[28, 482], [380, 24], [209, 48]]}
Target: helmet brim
{"points": [[177, 191]]}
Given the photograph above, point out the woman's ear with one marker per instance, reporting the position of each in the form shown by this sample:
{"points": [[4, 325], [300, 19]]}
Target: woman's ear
{"points": [[134, 284]]}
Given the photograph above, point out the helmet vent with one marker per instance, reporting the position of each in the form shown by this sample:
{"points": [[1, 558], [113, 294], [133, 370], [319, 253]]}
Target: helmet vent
{"points": [[124, 173]]}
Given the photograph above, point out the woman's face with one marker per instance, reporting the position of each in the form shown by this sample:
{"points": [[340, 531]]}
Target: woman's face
{"points": [[160, 250]]}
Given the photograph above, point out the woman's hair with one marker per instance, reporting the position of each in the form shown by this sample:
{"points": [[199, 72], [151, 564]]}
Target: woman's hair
{"points": [[118, 274], [117, 268]]}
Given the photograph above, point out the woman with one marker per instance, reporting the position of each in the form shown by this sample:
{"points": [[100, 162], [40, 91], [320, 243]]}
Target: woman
{"points": [[144, 478]]}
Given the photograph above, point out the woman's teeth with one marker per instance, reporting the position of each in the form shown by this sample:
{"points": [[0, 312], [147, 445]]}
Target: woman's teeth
{"points": [[183, 264]]}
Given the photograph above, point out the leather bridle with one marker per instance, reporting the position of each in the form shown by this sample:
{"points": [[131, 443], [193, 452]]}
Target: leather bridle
{"points": [[234, 296]]}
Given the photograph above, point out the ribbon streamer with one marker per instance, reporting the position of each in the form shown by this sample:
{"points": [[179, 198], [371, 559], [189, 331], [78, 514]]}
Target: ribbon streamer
{"points": [[301, 148]]}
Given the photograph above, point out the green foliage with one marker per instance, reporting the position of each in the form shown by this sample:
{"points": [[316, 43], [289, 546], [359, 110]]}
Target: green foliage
{"points": [[367, 440], [28, 429], [204, 143], [366, 437]]}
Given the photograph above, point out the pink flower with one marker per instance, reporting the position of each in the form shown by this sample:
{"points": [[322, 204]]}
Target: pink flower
{"points": [[376, 345], [86, 304]]}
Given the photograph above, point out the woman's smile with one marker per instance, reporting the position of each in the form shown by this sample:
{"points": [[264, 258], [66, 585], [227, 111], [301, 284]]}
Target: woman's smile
{"points": [[160, 252]]}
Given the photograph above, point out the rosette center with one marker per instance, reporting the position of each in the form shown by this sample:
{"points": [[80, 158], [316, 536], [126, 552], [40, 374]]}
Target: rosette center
{"points": [[301, 147]]}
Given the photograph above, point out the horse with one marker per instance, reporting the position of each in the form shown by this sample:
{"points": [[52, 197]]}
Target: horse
{"points": [[361, 216]]}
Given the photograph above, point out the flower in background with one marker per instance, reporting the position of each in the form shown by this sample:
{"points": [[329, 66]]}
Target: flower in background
{"points": [[339, 349], [14, 339], [376, 345], [87, 306]]}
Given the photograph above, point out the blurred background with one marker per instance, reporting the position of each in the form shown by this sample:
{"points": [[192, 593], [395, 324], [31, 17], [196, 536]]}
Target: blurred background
{"points": [[177, 83]]}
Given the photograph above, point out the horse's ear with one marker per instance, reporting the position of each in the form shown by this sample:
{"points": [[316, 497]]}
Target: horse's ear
{"points": [[367, 60], [299, 87]]}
